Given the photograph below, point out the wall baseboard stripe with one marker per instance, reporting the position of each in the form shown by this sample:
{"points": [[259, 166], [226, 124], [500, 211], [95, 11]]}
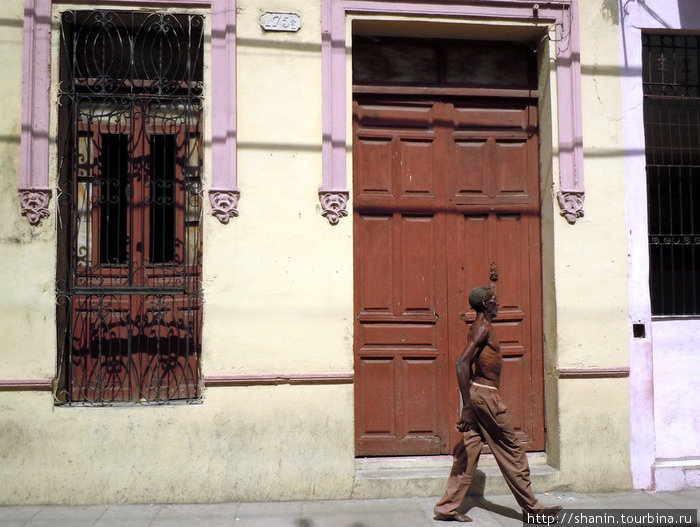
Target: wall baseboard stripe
{"points": [[593, 373], [267, 379], [271, 379], [25, 385]]}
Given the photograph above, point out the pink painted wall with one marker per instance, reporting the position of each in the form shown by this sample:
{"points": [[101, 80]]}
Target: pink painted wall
{"points": [[664, 365], [677, 388]]}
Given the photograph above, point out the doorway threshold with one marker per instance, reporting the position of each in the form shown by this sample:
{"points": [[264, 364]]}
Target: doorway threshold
{"points": [[424, 476]]}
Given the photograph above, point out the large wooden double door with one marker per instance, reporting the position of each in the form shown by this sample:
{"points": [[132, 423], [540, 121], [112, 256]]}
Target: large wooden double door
{"points": [[446, 197]]}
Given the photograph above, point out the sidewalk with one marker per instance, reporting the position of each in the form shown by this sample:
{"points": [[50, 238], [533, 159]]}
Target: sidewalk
{"points": [[487, 511]]}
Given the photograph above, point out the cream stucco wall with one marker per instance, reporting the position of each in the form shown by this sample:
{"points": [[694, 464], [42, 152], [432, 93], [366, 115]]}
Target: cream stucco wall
{"points": [[278, 279], [594, 249], [590, 261], [26, 253], [240, 444], [278, 297]]}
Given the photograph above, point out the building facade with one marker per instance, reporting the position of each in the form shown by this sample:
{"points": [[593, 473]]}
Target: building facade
{"points": [[240, 237], [660, 140]]}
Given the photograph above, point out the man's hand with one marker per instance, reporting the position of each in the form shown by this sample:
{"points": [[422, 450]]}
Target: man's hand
{"points": [[466, 420]]}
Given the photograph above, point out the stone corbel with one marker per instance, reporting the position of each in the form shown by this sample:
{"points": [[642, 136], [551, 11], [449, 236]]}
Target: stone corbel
{"points": [[34, 204], [571, 205], [224, 204], [334, 204]]}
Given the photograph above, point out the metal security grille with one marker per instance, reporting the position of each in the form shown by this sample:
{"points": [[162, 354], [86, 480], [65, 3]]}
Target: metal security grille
{"points": [[130, 205], [672, 135]]}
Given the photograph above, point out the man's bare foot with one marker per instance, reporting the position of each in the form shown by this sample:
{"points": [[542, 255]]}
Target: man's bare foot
{"points": [[456, 517]]}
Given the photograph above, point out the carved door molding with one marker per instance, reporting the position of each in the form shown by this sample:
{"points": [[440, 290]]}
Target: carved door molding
{"points": [[563, 19]]}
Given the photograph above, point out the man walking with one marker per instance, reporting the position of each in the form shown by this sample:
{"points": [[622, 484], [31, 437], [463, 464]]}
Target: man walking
{"points": [[484, 419]]}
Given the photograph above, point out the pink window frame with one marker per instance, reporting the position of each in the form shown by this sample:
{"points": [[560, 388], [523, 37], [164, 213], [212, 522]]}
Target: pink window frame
{"points": [[562, 13], [34, 190]]}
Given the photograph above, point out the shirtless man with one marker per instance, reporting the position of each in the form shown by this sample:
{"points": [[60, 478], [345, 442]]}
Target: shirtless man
{"points": [[484, 418]]}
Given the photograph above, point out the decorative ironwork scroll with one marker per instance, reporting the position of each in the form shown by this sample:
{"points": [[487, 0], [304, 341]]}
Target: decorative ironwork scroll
{"points": [[130, 206]]}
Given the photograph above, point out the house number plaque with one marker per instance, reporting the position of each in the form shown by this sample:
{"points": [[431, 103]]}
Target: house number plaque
{"points": [[273, 21]]}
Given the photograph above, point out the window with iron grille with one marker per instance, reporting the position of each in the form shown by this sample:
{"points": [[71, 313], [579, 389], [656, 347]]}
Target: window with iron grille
{"points": [[130, 203], [671, 83]]}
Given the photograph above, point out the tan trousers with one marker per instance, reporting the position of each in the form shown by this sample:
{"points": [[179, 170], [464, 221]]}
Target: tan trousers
{"points": [[493, 426]]}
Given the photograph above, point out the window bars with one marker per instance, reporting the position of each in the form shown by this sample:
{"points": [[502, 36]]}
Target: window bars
{"points": [[130, 206], [671, 82]]}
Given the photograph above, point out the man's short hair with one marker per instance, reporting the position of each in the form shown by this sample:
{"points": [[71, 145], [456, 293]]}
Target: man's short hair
{"points": [[478, 296]]}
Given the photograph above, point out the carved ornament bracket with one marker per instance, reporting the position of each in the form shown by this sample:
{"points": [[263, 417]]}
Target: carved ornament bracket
{"points": [[224, 204], [571, 205], [34, 204], [334, 204]]}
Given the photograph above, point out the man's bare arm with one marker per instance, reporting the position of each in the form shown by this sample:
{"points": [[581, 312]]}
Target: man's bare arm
{"points": [[476, 337]]}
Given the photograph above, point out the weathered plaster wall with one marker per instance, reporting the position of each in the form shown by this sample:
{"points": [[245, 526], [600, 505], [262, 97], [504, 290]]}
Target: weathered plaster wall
{"points": [[261, 443], [594, 434], [676, 374], [677, 415], [593, 251], [591, 276]]}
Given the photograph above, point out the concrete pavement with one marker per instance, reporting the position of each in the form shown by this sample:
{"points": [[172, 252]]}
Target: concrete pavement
{"points": [[487, 511]]}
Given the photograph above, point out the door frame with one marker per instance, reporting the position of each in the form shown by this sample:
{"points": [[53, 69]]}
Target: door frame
{"points": [[561, 154], [558, 19]]}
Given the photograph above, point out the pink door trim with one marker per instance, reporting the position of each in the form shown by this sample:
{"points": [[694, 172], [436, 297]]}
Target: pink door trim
{"points": [[562, 13]]}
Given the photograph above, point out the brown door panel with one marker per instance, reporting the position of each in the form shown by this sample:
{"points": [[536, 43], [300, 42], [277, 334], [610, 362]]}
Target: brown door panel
{"points": [[397, 334], [398, 411], [505, 244]]}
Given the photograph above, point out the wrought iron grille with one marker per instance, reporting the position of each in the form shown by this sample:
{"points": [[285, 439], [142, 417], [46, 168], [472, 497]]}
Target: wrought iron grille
{"points": [[671, 84], [130, 204]]}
